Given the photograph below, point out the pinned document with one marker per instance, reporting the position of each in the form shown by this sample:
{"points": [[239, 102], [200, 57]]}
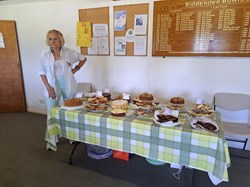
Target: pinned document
{"points": [[84, 34], [1, 41]]}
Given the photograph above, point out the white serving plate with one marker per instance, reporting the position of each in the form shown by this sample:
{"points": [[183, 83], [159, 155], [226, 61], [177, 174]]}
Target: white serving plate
{"points": [[72, 108]]}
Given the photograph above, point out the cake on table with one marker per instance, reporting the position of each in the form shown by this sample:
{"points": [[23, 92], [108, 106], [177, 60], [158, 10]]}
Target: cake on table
{"points": [[107, 95], [118, 112], [120, 103], [146, 97], [177, 100], [144, 100], [72, 102]]}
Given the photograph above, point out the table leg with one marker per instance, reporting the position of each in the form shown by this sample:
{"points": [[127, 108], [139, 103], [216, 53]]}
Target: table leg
{"points": [[72, 152]]}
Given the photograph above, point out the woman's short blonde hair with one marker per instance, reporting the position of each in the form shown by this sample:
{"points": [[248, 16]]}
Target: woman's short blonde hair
{"points": [[58, 33]]}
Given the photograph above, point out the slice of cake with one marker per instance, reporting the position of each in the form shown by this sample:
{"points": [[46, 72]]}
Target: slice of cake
{"points": [[118, 112]]}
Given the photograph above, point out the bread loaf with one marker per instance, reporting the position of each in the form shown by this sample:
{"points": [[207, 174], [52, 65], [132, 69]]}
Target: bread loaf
{"points": [[146, 97], [177, 100]]}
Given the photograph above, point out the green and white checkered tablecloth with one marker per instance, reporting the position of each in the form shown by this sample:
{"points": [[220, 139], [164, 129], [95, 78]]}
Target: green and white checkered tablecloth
{"points": [[140, 135]]}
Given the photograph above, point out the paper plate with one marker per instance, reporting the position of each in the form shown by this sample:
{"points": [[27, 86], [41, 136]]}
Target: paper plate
{"points": [[166, 124], [204, 120]]}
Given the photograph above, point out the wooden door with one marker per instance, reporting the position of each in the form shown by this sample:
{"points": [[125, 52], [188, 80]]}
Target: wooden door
{"points": [[12, 97]]}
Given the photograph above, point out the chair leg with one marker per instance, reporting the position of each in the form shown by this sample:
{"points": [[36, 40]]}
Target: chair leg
{"points": [[72, 152], [245, 144]]}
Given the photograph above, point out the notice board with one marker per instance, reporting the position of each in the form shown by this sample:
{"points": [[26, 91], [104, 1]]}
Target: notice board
{"points": [[131, 11], [201, 28], [95, 16]]}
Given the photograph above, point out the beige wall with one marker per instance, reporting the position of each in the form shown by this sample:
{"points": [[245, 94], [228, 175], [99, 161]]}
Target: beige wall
{"points": [[190, 77]]}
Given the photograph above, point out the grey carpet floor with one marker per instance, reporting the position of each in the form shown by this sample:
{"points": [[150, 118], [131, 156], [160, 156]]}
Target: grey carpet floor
{"points": [[24, 162]]}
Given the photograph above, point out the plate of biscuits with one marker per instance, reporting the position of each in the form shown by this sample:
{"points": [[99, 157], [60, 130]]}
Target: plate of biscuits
{"points": [[96, 108], [144, 112], [198, 110], [97, 100]]}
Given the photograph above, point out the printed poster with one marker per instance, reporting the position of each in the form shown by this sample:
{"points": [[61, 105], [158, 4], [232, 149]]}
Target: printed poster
{"points": [[94, 49], [120, 45], [103, 44], [84, 34], [140, 45], [100, 30], [140, 24], [120, 20], [99, 46]]}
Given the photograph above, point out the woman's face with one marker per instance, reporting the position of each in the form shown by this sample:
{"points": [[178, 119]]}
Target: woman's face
{"points": [[54, 40]]}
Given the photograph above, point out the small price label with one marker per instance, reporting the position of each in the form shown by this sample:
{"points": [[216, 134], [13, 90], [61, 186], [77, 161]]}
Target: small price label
{"points": [[125, 96], [99, 93], [200, 101], [106, 90]]}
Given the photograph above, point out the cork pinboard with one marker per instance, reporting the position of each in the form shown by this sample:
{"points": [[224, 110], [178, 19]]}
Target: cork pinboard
{"points": [[201, 28], [131, 11], [95, 16]]}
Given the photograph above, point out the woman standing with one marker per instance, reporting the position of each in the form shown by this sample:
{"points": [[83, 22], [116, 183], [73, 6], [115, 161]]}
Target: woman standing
{"points": [[58, 65]]}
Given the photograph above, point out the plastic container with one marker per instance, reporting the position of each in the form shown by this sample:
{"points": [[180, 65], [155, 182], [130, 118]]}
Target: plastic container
{"points": [[155, 162], [97, 152]]}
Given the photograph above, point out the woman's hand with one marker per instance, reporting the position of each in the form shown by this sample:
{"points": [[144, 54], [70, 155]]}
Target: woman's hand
{"points": [[52, 93], [51, 90], [74, 70]]}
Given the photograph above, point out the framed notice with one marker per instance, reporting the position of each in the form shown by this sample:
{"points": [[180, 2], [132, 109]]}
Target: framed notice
{"points": [[201, 28]]}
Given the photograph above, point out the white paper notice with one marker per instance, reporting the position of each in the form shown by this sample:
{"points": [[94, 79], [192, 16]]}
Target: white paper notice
{"points": [[1, 41], [130, 35], [103, 45], [120, 45], [140, 45], [93, 50], [140, 25], [100, 30]]}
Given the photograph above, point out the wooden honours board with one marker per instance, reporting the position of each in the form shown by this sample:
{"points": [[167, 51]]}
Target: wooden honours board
{"points": [[201, 28]]}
